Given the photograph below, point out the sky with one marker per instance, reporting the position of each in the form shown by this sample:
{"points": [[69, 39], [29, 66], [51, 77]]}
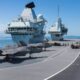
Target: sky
{"points": [[69, 13]]}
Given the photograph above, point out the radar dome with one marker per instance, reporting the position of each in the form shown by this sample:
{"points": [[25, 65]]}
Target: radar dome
{"points": [[40, 16]]}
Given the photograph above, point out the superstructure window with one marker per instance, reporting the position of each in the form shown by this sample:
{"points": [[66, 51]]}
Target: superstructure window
{"points": [[22, 28], [57, 35]]}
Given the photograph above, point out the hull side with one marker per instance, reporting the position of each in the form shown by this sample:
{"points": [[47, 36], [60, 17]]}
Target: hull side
{"points": [[27, 38], [56, 38]]}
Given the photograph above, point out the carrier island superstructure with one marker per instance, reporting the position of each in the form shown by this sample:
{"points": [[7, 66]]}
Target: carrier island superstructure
{"points": [[58, 30], [28, 28]]}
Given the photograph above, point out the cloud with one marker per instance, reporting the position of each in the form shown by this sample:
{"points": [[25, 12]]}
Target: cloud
{"points": [[3, 28], [2, 31]]}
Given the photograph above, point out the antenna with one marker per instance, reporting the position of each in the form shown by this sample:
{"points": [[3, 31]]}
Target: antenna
{"points": [[58, 8]]}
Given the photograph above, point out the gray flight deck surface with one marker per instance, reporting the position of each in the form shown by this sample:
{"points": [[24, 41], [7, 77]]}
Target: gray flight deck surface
{"points": [[58, 58], [70, 73]]}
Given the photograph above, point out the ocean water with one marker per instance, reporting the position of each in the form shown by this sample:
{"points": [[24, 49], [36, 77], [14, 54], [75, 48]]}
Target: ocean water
{"points": [[65, 37], [72, 37], [8, 40], [5, 42]]}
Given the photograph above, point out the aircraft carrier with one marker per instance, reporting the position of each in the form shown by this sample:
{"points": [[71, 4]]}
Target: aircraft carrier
{"points": [[49, 60], [58, 30], [44, 65], [24, 29]]}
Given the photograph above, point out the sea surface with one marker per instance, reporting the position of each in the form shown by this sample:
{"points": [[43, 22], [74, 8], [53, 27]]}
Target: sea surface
{"points": [[8, 40]]}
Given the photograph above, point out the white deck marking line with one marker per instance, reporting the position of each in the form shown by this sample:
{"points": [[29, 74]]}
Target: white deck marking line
{"points": [[62, 69], [58, 53]]}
